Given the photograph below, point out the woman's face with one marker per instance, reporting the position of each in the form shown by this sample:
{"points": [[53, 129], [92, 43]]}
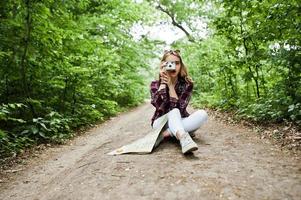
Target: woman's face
{"points": [[175, 59]]}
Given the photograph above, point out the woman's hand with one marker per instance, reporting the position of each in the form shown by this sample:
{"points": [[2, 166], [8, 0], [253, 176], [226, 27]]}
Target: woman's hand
{"points": [[162, 70], [165, 79]]}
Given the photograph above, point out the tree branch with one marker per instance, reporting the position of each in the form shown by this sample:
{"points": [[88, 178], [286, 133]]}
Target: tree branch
{"points": [[175, 23]]}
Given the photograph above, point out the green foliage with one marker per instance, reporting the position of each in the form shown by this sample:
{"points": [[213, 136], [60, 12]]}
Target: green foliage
{"points": [[54, 127], [251, 61], [10, 142], [66, 64]]}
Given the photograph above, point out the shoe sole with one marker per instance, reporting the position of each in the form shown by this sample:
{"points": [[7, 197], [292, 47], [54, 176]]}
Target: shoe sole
{"points": [[193, 148]]}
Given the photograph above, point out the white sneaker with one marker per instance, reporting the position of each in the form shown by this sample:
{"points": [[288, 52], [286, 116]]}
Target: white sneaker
{"points": [[187, 144]]}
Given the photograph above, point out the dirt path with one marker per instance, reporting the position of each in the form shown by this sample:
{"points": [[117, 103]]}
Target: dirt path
{"points": [[231, 163]]}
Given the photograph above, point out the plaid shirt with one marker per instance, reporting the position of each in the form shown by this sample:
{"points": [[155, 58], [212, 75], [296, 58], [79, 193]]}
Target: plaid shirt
{"points": [[164, 103]]}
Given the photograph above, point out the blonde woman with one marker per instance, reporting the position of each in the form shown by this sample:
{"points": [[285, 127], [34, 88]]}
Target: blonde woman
{"points": [[171, 94]]}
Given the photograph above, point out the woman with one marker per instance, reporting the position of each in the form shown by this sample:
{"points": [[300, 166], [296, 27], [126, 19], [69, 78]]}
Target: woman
{"points": [[171, 94]]}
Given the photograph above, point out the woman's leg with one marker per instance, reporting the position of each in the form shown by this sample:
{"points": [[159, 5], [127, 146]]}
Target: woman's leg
{"points": [[187, 124], [177, 129], [175, 122], [195, 120]]}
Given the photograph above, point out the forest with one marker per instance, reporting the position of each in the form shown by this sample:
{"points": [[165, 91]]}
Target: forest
{"points": [[69, 64]]}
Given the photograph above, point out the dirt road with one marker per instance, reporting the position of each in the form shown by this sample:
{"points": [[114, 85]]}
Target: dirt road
{"points": [[231, 163]]}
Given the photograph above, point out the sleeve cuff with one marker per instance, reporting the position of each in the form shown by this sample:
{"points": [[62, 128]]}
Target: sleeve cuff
{"points": [[162, 93]]}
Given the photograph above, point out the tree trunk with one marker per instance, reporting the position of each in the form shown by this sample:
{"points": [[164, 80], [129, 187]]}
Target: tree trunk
{"points": [[23, 65], [246, 53]]}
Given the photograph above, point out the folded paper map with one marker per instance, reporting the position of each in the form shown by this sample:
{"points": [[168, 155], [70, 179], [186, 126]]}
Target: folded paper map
{"points": [[144, 144]]}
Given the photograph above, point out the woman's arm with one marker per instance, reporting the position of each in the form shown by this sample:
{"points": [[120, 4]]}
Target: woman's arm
{"points": [[185, 97], [183, 100], [158, 94], [162, 86], [158, 90]]}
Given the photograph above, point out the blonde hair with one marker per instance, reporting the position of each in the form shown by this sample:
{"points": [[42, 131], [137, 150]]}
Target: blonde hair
{"points": [[183, 69]]}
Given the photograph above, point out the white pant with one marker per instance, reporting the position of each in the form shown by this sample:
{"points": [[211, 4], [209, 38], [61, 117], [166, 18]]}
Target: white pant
{"points": [[187, 124]]}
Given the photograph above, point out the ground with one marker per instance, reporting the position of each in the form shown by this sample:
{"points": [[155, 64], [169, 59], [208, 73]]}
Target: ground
{"points": [[232, 162]]}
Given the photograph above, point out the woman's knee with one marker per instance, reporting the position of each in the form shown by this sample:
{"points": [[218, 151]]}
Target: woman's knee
{"points": [[174, 110], [202, 115]]}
